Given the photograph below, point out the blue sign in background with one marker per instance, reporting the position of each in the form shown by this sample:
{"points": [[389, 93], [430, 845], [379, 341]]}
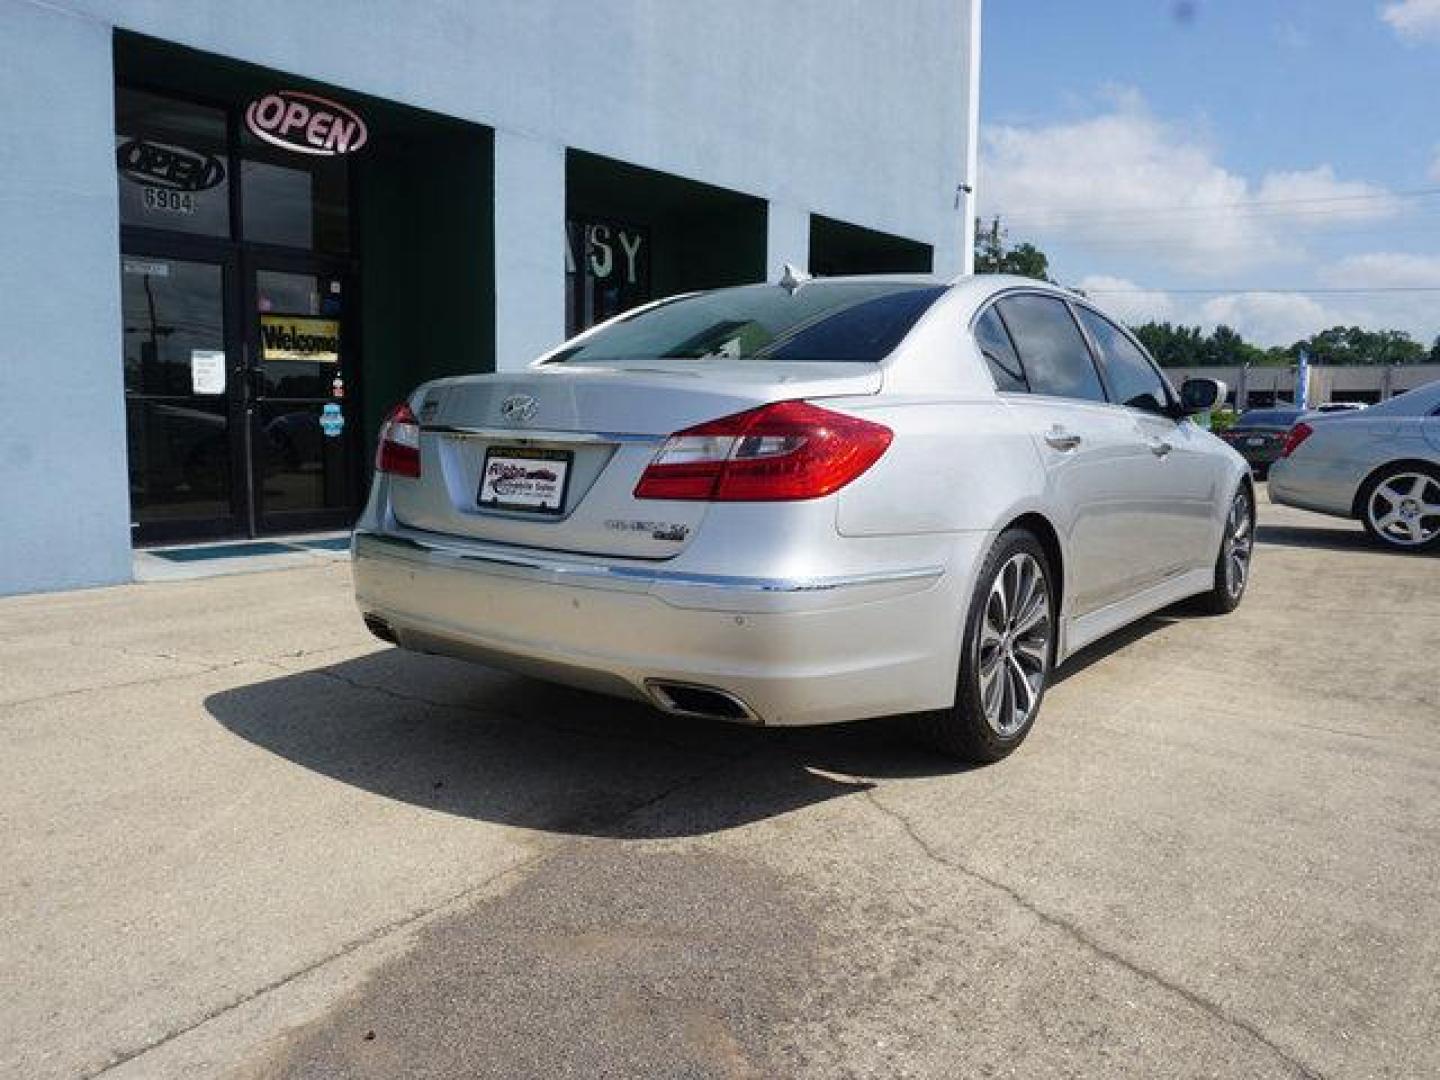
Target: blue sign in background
{"points": [[332, 420]]}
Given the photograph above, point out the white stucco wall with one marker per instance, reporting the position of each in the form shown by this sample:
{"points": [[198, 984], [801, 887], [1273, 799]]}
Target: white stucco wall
{"points": [[857, 110], [64, 496]]}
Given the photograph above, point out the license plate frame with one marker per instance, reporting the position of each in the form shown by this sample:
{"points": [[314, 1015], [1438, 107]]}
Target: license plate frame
{"points": [[531, 490]]}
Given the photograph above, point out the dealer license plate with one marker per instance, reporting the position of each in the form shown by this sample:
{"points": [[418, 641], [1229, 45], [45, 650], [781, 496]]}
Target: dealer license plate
{"points": [[532, 479]]}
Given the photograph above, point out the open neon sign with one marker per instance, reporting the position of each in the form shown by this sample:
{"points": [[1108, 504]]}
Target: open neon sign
{"points": [[306, 123]]}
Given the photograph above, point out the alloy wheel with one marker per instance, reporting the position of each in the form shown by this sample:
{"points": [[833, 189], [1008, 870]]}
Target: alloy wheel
{"points": [[1239, 542], [1404, 508], [1013, 647]]}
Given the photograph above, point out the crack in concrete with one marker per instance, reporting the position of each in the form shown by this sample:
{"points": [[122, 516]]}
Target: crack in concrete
{"points": [[1076, 934], [404, 922], [198, 668], [418, 916]]}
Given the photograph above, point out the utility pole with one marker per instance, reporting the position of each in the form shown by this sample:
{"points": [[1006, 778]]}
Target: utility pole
{"points": [[972, 143]]}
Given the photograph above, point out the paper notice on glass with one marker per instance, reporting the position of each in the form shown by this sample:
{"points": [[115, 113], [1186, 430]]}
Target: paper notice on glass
{"points": [[207, 371]]}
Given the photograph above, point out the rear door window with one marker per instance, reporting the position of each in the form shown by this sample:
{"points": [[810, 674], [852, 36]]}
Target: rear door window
{"points": [[1056, 359], [999, 353], [1133, 380]]}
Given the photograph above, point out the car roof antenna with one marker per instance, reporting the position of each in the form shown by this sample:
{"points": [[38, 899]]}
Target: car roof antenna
{"points": [[793, 278]]}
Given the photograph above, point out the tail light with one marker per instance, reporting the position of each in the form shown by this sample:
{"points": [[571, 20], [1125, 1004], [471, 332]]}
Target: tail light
{"points": [[785, 451], [1297, 435], [399, 450]]}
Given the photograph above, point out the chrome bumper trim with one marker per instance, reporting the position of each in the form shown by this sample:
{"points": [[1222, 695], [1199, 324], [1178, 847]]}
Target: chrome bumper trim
{"points": [[522, 435], [637, 576]]}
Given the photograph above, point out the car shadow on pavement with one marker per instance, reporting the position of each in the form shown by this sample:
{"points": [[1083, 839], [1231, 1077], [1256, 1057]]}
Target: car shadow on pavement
{"points": [[1120, 639], [1311, 536], [466, 740], [1331, 539]]}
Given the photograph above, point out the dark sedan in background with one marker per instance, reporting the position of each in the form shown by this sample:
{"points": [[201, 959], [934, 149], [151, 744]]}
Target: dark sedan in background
{"points": [[1259, 435]]}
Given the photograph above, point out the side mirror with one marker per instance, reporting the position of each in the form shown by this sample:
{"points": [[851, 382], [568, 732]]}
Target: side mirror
{"points": [[1201, 395]]}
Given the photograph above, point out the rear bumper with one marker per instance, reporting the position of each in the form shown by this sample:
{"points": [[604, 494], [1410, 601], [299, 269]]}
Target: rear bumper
{"points": [[793, 651], [1327, 487]]}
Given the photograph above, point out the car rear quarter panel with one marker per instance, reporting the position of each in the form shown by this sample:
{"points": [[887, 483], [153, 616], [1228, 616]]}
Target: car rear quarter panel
{"points": [[954, 466]]}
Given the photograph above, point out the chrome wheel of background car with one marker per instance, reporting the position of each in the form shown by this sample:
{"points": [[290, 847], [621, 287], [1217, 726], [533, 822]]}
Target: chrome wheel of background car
{"points": [[1013, 647], [1404, 509], [1239, 542]]}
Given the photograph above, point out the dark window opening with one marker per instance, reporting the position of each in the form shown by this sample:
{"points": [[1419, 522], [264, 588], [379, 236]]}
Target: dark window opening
{"points": [[838, 248]]}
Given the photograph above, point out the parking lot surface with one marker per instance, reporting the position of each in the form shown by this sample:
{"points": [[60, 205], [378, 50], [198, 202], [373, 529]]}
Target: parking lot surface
{"points": [[242, 838]]}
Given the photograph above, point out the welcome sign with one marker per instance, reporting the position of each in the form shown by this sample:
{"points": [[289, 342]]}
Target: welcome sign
{"points": [[299, 337]]}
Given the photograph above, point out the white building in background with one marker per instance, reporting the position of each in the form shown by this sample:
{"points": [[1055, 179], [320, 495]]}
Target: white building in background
{"points": [[236, 230], [1256, 387]]}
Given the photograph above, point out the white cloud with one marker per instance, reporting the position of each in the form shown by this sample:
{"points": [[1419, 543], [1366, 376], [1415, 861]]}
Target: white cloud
{"points": [[1386, 270], [1128, 301], [1127, 183], [1413, 20], [1260, 317], [1280, 318], [1268, 318]]}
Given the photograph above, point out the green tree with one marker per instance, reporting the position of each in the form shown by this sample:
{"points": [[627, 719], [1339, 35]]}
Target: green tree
{"points": [[1356, 345], [994, 255]]}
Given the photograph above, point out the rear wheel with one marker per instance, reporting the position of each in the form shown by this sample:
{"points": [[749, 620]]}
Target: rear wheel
{"points": [[1401, 508], [1007, 655], [1232, 565]]}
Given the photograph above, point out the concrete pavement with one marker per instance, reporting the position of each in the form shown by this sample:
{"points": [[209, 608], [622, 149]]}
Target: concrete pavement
{"points": [[244, 839]]}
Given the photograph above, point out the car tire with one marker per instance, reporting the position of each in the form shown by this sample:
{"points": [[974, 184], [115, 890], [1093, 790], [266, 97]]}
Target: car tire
{"points": [[1232, 564], [1007, 654], [1414, 484]]}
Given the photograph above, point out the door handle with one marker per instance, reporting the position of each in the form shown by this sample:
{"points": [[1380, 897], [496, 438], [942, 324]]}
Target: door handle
{"points": [[1158, 447], [1061, 439]]}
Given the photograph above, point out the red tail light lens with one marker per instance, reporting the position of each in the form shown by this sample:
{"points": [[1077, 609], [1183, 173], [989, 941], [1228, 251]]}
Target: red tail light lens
{"points": [[785, 451], [1297, 435], [399, 450]]}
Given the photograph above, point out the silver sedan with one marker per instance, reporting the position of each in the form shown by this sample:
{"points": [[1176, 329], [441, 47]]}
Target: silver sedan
{"points": [[808, 502], [1381, 466]]}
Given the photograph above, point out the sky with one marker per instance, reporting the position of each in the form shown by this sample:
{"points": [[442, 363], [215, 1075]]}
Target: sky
{"points": [[1273, 165]]}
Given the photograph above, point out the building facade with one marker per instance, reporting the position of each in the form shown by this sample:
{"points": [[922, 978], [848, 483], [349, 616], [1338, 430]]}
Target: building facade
{"points": [[1261, 387], [237, 230]]}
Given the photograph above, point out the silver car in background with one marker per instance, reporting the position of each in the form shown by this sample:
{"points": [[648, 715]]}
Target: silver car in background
{"points": [[1381, 466], [808, 502]]}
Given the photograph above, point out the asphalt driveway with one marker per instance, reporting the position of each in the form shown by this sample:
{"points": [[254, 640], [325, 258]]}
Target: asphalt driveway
{"points": [[243, 838]]}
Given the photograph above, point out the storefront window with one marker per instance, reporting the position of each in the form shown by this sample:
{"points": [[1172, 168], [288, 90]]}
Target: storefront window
{"points": [[607, 271], [289, 201], [172, 164]]}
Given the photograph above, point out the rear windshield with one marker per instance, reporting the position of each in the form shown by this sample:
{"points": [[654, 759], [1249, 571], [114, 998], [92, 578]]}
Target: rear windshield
{"points": [[859, 322], [1269, 417]]}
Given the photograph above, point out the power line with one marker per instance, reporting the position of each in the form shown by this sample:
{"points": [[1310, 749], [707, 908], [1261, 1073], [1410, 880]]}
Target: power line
{"points": [[1358, 290], [1203, 208]]}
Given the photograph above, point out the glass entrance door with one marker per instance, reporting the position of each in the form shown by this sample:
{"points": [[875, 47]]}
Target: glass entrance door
{"points": [[304, 437], [237, 425], [183, 403]]}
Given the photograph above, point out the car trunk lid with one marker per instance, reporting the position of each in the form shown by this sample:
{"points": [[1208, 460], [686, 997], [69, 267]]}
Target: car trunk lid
{"points": [[549, 457]]}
